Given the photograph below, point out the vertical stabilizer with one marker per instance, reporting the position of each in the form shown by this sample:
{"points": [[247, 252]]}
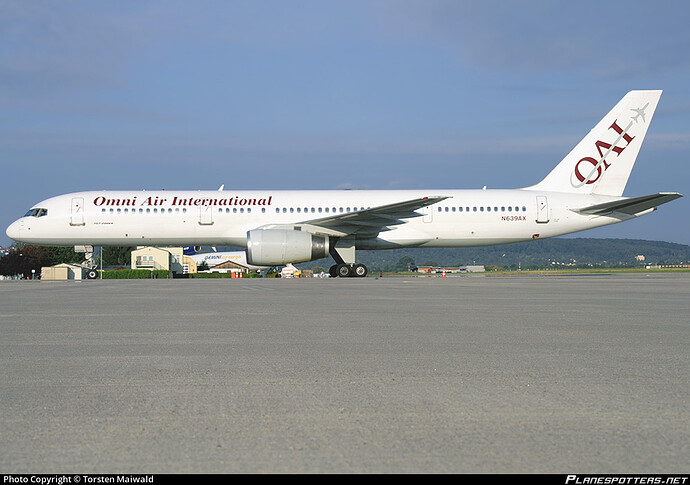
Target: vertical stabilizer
{"points": [[601, 163]]}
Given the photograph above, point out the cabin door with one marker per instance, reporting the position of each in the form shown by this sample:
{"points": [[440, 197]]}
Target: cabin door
{"points": [[77, 213], [206, 215], [542, 209]]}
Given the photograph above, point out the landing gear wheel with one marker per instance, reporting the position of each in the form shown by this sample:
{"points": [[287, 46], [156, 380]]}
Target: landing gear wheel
{"points": [[359, 271], [332, 271], [92, 274], [343, 270]]}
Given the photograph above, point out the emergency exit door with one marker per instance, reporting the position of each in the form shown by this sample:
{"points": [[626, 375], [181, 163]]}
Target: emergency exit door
{"points": [[428, 214]]}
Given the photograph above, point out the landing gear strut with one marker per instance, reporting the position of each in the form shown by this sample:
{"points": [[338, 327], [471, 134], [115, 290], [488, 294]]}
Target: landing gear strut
{"points": [[343, 252]]}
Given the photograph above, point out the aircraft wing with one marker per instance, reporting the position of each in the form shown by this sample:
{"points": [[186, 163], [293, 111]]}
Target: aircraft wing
{"points": [[630, 206], [371, 221]]}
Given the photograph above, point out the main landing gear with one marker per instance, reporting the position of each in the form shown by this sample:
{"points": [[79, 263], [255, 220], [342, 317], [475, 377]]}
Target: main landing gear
{"points": [[344, 270], [343, 252]]}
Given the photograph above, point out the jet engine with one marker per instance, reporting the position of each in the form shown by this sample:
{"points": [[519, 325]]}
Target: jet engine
{"points": [[266, 247]]}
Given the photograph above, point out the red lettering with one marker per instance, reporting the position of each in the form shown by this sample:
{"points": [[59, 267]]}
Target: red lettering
{"points": [[619, 130], [604, 149], [581, 177]]}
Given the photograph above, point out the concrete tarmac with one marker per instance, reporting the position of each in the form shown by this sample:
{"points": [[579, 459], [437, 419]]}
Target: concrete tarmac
{"points": [[466, 374]]}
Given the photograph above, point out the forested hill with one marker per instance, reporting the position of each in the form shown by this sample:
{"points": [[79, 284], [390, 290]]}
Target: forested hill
{"points": [[578, 251]]}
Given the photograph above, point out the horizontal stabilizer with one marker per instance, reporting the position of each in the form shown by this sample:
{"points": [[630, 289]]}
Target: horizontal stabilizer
{"points": [[630, 206]]}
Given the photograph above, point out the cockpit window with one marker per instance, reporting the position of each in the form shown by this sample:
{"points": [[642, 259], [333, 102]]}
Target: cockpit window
{"points": [[37, 213]]}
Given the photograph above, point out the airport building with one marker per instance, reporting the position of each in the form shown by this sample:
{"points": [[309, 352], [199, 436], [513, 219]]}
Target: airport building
{"points": [[227, 267], [63, 271], [168, 259], [173, 259]]}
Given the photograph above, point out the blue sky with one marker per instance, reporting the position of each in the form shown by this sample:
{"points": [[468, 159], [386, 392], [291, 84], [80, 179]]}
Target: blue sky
{"points": [[372, 94]]}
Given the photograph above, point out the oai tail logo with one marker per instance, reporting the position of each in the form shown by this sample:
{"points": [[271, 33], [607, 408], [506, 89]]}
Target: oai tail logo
{"points": [[588, 169]]}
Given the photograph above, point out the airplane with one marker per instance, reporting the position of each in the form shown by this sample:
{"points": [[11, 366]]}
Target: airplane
{"points": [[639, 112], [279, 227], [215, 258]]}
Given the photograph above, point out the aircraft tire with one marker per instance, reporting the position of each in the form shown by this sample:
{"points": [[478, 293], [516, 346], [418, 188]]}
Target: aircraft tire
{"points": [[359, 270], [333, 271], [343, 270], [92, 274]]}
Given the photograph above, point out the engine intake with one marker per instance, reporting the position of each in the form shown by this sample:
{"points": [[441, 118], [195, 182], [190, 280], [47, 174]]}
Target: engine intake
{"points": [[267, 247]]}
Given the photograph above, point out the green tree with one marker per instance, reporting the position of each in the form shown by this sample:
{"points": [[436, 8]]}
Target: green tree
{"points": [[406, 263], [117, 255], [21, 260], [65, 255]]}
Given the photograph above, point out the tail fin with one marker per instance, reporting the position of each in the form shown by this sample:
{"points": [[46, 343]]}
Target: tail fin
{"points": [[601, 163]]}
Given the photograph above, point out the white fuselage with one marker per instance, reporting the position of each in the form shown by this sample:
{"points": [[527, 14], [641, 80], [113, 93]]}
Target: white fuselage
{"points": [[187, 218]]}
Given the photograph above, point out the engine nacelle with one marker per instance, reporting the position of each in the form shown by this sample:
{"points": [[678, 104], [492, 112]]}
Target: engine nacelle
{"points": [[266, 247]]}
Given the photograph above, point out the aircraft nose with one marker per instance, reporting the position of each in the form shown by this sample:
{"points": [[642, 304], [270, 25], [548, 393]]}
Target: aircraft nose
{"points": [[13, 230]]}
